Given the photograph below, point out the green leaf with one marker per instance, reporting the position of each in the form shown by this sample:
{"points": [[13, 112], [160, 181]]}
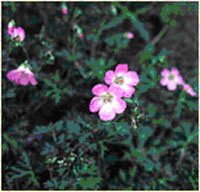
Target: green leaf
{"points": [[113, 23], [186, 126], [147, 53], [148, 164], [48, 82], [43, 129], [152, 72], [123, 175], [49, 92], [73, 127], [59, 125], [61, 138], [10, 94], [92, 37], [57, 98], [56, 77], [144, 132], [122, 128], [151, 110], [12, 141], [84, 137], [172, 23], [89, 182], [178, 109], [133, 171], [67, 55], [103, 148]]}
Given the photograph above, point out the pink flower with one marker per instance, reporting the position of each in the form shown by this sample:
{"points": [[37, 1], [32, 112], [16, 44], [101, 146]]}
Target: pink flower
{"points": [[11, 27], [189, 90], [11, 31], [130, 35], [107, 101], [80, 35], [64, 10], [122, 79], [19, 34], [22, 76], [171, 78]]}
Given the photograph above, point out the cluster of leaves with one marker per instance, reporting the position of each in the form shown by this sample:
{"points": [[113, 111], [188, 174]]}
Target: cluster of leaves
{"points": [[152, 146]]}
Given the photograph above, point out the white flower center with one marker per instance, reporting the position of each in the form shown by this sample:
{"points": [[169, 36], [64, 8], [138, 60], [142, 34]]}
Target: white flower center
{"points": [[171, 76], [23, 74], [119, 80], [107, 97]]}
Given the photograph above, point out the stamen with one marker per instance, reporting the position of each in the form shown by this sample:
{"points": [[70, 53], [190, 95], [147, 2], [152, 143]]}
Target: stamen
{"points": [[107, 97], [119, 80], [171, 76]]}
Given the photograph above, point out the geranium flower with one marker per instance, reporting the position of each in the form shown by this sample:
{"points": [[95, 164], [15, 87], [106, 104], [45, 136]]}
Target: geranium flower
{"points": [[22, 75], [171, 78], [129, 35], [122, 79], [17, 33], [80, 35], [11, 27], [64, 10], [189, 90], [107, 101]]}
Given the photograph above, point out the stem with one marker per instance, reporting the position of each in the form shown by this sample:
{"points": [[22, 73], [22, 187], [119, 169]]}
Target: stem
{"points": [[26, 53], [54, 135], [159, 36], [99, 159]]}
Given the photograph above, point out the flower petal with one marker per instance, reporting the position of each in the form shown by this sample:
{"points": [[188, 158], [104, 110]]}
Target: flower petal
{"points": [[171, 85], [11, 31], [174, 70], [17, 77], [109, 76], [119, 105], [95, 104], [32, 80], [128, 91], [165, 72], [24, 79], [11, 74], [131, 78], [189, 90], [116, 90], [19, 32], [121, 68], [107, 113], [179, 80], [99, 89], [164, 81]]}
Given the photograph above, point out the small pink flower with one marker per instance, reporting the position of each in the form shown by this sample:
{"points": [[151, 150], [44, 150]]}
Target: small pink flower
{"points": [[11, 30], [107, 101], [22, 76], [130, 35], [189, 90], [11, 27], [64, 10], [80, 35], [122, 79], [19, 34], [171, 79]]}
